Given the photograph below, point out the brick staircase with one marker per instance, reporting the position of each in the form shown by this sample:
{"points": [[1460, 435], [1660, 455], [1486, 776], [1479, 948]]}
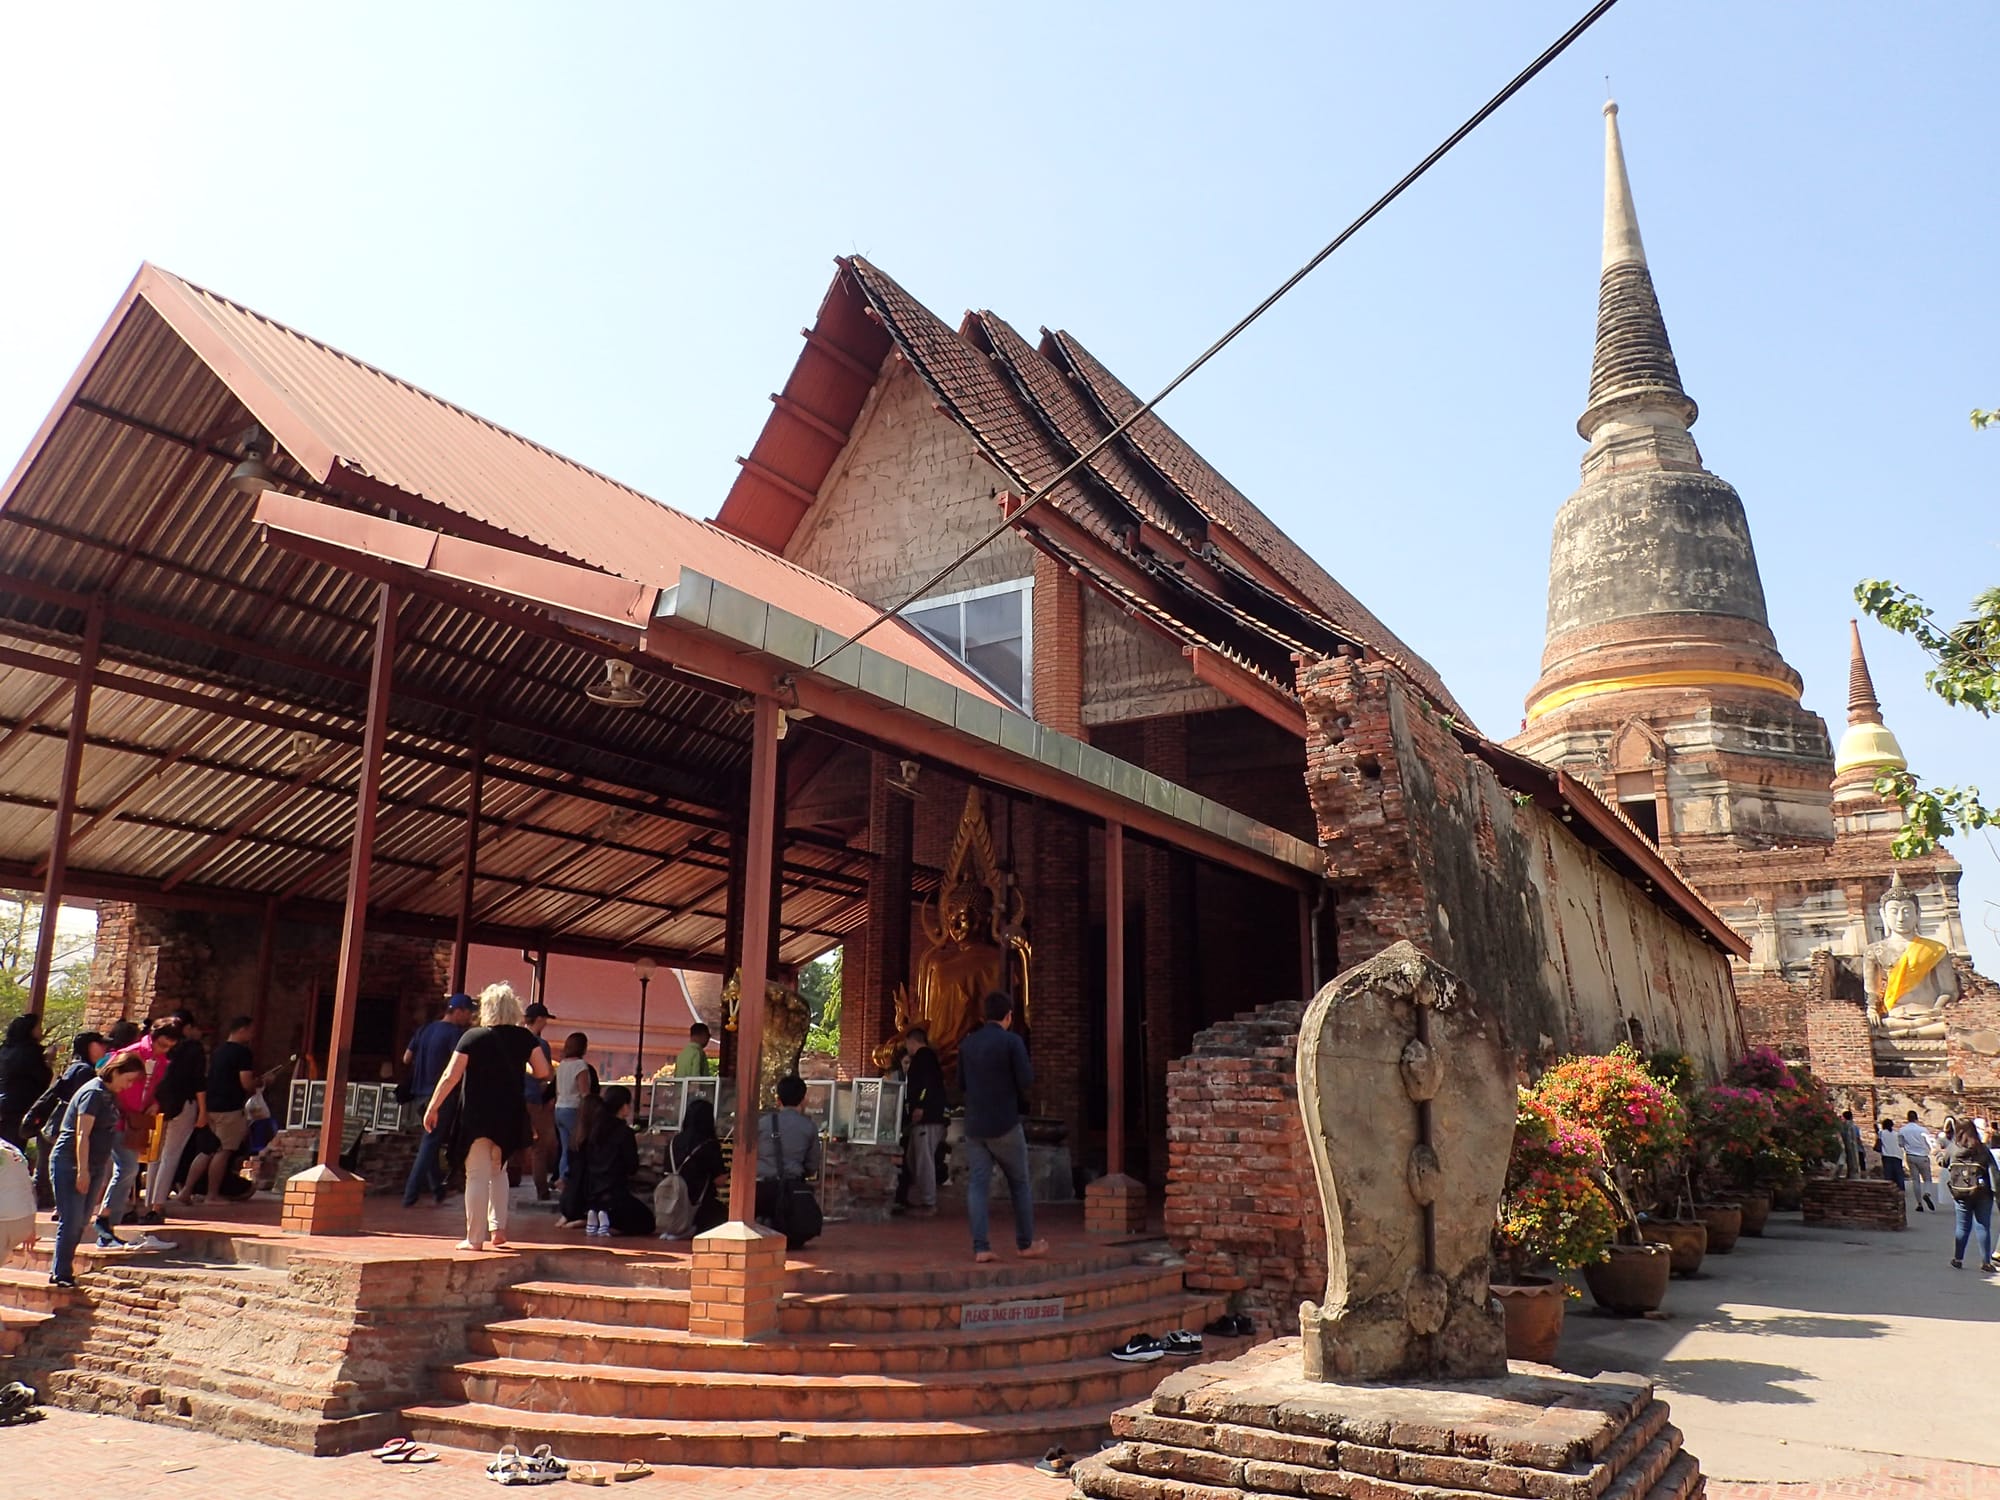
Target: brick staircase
{"points": [[872, 1367], [28, 1307]]}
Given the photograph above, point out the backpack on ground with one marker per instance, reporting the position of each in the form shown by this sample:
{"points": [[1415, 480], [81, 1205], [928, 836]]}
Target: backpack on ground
{"points": [[673, 1204], [1966, 1179]]}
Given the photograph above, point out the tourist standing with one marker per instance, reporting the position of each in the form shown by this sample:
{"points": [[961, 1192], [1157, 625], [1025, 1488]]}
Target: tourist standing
{"points": [[24, 1075], [572, 1078], [923, 1086], [537, 1155], [493, 1111], [136, 1099], [1916, 1144], [1891, 1147], [182, 1098], [1969, 1175], [1850, 1145], [995, 1075], [45, 1115], [232, 1079], [427, 1056], [82, 1151], [614, 1156], [692, 1061]]}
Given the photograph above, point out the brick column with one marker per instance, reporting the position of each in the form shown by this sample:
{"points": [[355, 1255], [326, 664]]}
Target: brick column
{"points": [[737, 1287], [322, 1200]]}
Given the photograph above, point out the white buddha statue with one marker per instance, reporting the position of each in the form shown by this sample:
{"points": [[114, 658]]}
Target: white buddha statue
{"points": [[1910, 977]]}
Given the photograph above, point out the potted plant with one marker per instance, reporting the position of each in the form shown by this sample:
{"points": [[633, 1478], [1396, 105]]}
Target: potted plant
{"points": [[1804, 1134], [1734, 1127], [1638, 1123], [1551, 1216], [1668, 1214]]}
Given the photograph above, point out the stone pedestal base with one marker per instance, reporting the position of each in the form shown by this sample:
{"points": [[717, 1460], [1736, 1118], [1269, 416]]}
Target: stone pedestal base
{"points": [[1854, 1203], [1115, 1205], [738, 1282], [322, 1200], [1254, 1426]]}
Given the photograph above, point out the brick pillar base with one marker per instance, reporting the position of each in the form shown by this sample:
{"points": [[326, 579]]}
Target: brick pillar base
{"points": [[1115, 1205], [738, 1283], [322, 1200]]}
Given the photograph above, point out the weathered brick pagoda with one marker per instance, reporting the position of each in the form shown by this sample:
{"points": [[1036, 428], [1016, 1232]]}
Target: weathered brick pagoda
{"points": [[1663, 688]]}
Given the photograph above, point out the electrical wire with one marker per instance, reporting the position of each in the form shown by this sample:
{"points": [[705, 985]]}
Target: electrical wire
{"points": [[1520, 80]]}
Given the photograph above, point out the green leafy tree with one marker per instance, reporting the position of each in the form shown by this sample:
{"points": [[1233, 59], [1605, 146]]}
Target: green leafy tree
{"points": [[1965, 672], [819, 987], [69, 980]]}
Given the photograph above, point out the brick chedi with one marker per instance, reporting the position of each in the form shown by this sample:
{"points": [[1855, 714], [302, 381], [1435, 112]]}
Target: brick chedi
{"points": [[1663, 688]]}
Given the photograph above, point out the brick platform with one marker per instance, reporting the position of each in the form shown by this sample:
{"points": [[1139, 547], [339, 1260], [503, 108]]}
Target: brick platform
{"points": [[1854, 1203], [1254, 1426]]}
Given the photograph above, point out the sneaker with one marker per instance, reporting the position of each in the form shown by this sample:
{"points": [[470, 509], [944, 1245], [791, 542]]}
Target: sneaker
{"points": [[106, 1240], [1958, 1265], [65, 1283], [1182, 1344], [1140, 1349], [150, 1243]]}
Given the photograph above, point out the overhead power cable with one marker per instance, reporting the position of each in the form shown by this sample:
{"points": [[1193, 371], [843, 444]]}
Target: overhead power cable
{"points": [[1520, 81]]}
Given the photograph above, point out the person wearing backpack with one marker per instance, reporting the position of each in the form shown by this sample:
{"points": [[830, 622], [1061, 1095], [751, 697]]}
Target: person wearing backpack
{"points": [[1969, 1176], [45, 1115], [1971, 1179], [24, 1074], [688, 1200]]}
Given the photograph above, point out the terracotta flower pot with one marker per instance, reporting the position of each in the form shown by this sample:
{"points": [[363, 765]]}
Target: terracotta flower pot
{"points": [[1534, 1313], [1725, 1223], [1687, 1238], [1634, 1280], [1787, 1198], [1756, 1209]]}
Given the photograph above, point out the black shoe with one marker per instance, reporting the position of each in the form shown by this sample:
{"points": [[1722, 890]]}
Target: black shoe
{"points": [[1181, 1344], [153, 1216], [1244, 1327], [66, 1283], [1958, 1265], [1140, 1349]]}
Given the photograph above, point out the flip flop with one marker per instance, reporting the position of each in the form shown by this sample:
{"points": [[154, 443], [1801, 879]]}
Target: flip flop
{"points": [[393, 1446], [411, 1455], [1056, 1461], [634, 1469], [587, 1474]]}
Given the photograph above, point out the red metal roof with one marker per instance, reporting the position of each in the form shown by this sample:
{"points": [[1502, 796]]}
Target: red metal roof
{"points": [[349, 424]]}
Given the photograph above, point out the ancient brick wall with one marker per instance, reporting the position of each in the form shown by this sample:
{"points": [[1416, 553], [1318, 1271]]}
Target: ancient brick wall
{"points": [[1242, 1203], [1423, 843]]}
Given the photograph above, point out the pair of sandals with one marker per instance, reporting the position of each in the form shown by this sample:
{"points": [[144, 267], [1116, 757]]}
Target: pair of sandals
{"points": [[1230, 1326], [587, 1473], [542, 1466], [403, 1451]]}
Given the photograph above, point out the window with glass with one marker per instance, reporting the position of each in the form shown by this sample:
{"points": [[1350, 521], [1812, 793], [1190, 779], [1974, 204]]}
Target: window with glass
{"points": [[988, 629]]}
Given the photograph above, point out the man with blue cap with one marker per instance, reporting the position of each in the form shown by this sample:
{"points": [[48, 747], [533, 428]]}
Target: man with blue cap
{"points": [[427, 1056]]}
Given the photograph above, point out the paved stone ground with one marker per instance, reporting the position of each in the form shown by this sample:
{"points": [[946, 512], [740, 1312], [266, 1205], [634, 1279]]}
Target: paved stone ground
{"points": [[1821, 1362], [1807, 1366]]}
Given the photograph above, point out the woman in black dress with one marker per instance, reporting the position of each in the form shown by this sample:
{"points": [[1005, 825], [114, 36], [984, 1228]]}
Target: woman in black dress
{"points": [[697, 1155], [490, 1061], [611, 1156]]}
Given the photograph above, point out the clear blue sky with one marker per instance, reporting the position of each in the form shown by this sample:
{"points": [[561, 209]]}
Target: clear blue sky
{"points": [[604, 225]]}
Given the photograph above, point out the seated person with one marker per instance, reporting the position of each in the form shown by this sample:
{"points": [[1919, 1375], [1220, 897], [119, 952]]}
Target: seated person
{"points": [[696, 1155], [787, 1154], [610, 1157]]}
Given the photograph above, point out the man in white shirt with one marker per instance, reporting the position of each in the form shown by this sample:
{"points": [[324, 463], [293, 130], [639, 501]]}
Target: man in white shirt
{"points": [[1916, 1144], [1891, 1147]]}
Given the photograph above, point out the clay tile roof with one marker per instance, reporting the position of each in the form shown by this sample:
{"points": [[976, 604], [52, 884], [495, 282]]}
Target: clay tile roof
{"points": [[1229, 508]]}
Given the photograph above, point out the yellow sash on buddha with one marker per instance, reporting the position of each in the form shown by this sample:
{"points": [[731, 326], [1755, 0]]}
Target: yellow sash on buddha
{"points": [[1918, 960]]}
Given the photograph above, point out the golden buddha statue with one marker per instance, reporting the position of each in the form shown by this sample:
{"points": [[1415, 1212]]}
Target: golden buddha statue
{"points": [[1910, 977], [975, 944]]}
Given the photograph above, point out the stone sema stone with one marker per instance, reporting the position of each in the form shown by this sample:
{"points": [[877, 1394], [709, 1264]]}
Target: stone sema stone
{"points": [[1407, 1088]]}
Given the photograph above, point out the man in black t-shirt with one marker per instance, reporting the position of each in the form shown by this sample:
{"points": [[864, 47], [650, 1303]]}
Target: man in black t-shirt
{"points": [[232, 1079]]}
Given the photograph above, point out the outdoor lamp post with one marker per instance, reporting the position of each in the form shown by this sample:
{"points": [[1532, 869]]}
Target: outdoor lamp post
{"points": [[643, 967]]}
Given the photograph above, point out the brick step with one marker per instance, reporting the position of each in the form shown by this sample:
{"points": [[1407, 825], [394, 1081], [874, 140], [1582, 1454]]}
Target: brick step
{"points": [[17, 1326], [29, 1290], [887, 1312], [560, 1341], [964, 1277], [722, 1395], [760, 1444], [844, 1312]]}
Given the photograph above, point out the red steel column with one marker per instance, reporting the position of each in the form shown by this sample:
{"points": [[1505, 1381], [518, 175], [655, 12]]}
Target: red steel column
{"points": [[760, 849], [72, 771], [469, 872], [1114, 998], [354, 921]]}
